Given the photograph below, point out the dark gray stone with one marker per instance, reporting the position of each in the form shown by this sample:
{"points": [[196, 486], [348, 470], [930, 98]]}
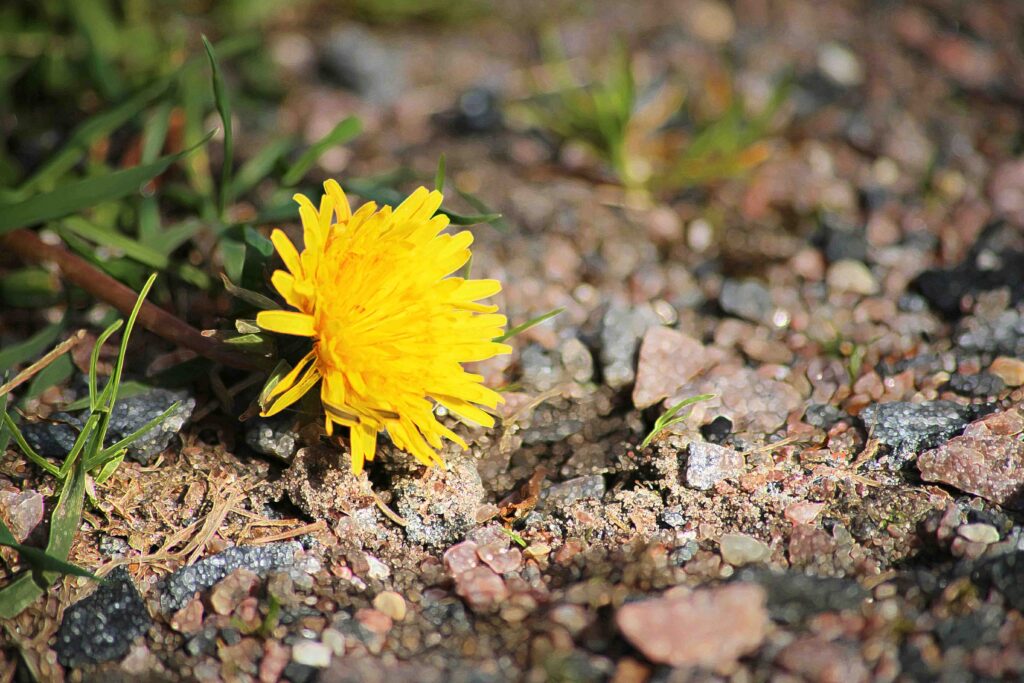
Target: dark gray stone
{"points": [[101, 627], [823, 415], [621, 331], [272, 436], [178, 588], [908, 428], [55, 437], [748, 299], [356, 59], [979, 385], [1000, 335], [793, 597]]}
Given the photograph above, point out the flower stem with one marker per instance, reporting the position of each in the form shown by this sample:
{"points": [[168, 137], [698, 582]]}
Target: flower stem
{"points": [[75, 269]]}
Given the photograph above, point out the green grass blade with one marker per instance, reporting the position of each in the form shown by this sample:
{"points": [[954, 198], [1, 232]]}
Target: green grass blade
{"points": [[53, 374], [260, 166], [80, 443], [94, 359], [32, 347], [533, 322], [26, 450], [439, 176], [82, 194], [115, 378], [108, 469], [669, 417], [249, 296], [342, 133], [223, 103], [131, 248]]}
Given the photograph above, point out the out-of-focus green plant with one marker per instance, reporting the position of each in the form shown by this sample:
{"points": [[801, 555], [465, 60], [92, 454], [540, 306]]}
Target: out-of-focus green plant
{"points": [[392, 12], [89, 456], [639, 132]]}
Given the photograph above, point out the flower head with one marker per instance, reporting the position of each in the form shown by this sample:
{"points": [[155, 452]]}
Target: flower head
{"points": [[390, 328]]}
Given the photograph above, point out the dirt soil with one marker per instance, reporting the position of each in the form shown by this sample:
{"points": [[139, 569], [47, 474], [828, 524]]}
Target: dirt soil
{"points": [[847, 507]]}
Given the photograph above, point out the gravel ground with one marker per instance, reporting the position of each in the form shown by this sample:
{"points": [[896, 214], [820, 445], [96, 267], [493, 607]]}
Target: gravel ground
{"points": [[847, 507]]}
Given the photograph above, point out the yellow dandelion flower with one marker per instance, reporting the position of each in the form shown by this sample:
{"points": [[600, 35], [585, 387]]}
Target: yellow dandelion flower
{"points": [[390, 328]]}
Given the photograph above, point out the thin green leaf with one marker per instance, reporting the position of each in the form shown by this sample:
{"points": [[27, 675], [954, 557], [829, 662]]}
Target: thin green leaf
{"points": [[26, 450], [109, 238], [519, 329], [223, 102], [439, 176], [108, 469], [342, 133], [38, 559], [52, 375], [260, 165], [485, 215], [232, 255], [82, 194], [80, 443], [94, 359], [33, 347], [248, 296], [672, 416]]}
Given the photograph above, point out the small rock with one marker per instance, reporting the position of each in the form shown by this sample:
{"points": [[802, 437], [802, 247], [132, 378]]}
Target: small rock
{"points": [[840, 64], [803, 512], [1010, 370], [272, 435], [275, 658], [980, 385], [391, 604], [793, 596], [908, 428], [501, 559], [823, 415], [101, 627], [334, 640], [751, 402], [710, 463], [21, 511], [378, 570], [668, 360], [189, 619], [987, 460], [852, 276], [478, 110], [374, 621], [481, 588], [178, 588], [461, 557], [823, 661], [563, 494], [740, 549], [710, 627], [621, 331], [577, 361], [979, 533], [711, 21], [231, 590], [311, 653], [357, 60], [747, 299]]}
